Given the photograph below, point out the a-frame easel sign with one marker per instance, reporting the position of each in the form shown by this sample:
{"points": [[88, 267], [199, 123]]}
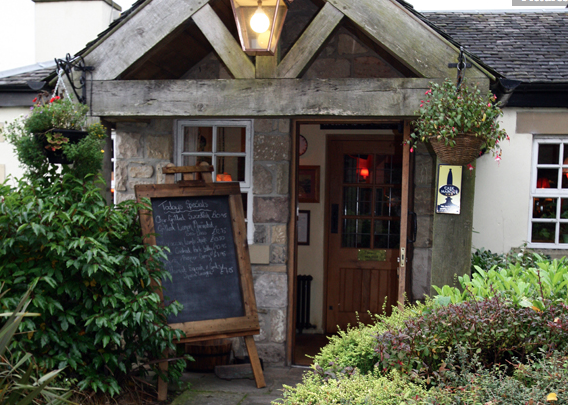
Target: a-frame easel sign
{"points": [[202, 224]]}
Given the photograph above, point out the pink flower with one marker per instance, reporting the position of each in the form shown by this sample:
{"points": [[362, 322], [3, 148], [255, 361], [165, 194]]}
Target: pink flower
{"points": [[411, 150], [426, 92], [494, 97], [57, 97], [498, 159], [453, 128], [489, 105], [470, 167], [509, 139], [421, 105]]}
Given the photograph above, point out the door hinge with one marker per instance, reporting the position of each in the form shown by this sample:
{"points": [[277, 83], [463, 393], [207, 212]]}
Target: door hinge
{"points": [[402, 258]]}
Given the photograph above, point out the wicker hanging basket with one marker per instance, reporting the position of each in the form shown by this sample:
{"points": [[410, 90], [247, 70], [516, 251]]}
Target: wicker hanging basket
{"points": [[465, 150]]}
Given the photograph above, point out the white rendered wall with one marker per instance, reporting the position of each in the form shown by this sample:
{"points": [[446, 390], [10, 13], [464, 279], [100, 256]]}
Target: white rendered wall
{"points": [[67, 26], [17, 33], [501, 204], [8, 162]]}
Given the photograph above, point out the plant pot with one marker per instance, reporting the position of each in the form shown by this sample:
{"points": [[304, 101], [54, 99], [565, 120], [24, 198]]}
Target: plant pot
{"points": [[465, 150], [57, 156], [208, 354]]}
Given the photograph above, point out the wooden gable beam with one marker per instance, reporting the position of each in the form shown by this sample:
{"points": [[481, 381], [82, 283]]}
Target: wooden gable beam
{"points": [[258, 98], [403, 35], [137, 35], [306, 47], [228, 49]]}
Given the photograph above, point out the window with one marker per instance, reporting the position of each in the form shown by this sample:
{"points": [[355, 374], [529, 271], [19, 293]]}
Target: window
{"points": [[227, 145], [549, 193]]}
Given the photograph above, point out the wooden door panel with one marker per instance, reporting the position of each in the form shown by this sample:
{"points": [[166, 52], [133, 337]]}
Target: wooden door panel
{"points": [[365, 186]]}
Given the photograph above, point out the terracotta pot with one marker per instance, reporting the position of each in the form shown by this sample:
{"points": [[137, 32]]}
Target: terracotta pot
{"points": [[466, 149], [57, 156]]}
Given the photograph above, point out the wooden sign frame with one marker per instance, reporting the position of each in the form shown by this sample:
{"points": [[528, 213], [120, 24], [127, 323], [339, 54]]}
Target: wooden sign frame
{"points": [[247, 325]]}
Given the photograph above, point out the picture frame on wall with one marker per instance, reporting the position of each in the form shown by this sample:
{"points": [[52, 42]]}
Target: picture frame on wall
{"points": [[308, 184], [304, 227]]}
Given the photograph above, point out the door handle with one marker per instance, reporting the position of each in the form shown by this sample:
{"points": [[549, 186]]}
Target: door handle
{"points": [[334, 218], [412, 238]]}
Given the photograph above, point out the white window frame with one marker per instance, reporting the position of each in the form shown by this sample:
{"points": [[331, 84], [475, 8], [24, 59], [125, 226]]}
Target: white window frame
{"points": [[558, 193], [246, 185]]}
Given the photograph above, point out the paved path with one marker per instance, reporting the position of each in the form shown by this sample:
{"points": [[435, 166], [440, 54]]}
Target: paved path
{"points": [[207, 389]]}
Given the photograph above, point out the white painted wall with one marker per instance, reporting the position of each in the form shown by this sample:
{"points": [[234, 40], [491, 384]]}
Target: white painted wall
{"points": [[502, 199], [17, 34], [67, 26], [8, 162]]}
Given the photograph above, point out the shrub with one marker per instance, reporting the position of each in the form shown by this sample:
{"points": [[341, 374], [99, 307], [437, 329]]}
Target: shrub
{"points": [[354, 347], [101, 314], [491, 329], [522, 286], [487, 260]]}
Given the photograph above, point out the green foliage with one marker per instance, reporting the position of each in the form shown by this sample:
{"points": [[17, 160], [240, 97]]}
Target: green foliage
{"points": [[355, 346], [20, 383], [486, 260], [101, 316], [446, 113], [353, 389], [526, 287], [491, 329], [33, 134]]}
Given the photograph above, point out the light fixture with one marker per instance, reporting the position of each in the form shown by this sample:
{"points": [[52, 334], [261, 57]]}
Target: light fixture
{"points": [[259, 23]]}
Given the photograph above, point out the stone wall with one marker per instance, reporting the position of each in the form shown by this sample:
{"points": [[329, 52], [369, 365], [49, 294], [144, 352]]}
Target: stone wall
{"points": [[143, 148], [424, 194]]}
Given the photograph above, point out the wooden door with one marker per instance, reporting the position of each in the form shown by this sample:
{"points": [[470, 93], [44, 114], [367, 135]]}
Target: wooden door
{"points": [[364, 206]]}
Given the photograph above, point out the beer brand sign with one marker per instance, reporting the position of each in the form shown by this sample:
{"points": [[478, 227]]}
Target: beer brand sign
{"points": [[448, 196]]}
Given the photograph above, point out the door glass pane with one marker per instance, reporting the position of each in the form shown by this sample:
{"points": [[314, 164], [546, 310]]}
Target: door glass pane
{"points": [[544, 207], [197, 139], [357, 201], [548, 154], [356, 233], [543, 232], [387, 234], [547, 178], [230, 168], [231, 139], [388, 170], [358, 169], [394, 202]]}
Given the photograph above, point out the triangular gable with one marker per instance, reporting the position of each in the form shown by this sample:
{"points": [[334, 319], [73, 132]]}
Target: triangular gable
{"points": [[399, 31]]}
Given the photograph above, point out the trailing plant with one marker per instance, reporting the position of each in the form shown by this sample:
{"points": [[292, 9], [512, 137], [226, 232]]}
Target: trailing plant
{"points": [[20, 382], [492, 329], [101, 315], [526, 287], [447, 112], [37, 132]]}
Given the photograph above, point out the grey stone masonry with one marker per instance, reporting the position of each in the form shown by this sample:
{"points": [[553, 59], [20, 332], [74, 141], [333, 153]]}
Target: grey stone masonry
{"points": [[142, 149], [424, 194], [271, 180]]}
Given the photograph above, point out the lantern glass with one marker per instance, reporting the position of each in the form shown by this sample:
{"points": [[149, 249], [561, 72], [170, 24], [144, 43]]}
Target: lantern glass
{"points": [[259, 24]]}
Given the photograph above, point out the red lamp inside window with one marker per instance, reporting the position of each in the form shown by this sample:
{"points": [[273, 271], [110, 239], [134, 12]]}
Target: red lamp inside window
{"points": [[363, 167]]}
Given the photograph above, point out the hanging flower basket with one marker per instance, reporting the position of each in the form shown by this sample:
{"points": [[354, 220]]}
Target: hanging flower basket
{"points": [[466, 149], [55, 154]]}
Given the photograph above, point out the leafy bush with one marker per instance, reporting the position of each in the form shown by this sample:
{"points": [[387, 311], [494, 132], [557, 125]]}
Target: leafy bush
{"points": [[487, 260], [354, 347], [526, 287], [101, 314], [353, 389], [491, 329], [19, 380]]}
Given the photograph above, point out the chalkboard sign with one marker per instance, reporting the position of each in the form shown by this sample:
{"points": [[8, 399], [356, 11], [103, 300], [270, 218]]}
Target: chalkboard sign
{"points": [[202, 258], [203, 226]]}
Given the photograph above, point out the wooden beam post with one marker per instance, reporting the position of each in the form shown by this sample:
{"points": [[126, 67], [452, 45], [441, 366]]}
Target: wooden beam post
{"points": [[224, 44]]}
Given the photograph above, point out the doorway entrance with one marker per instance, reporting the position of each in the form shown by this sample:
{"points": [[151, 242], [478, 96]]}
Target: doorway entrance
{"points": [[357, 227]]}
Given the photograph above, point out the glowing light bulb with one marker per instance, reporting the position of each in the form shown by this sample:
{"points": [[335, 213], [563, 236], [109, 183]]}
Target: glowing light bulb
{"points": [[259, 21]]}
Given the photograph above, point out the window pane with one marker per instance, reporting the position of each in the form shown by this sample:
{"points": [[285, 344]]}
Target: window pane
{"points": [[543, 232], [388, 170], [564, 209], [544, 208], [387, 234], [547, 178], [230, 168], [356, 233], [563, 233], [197, 139], [358, 169], [231, 139], [357, 201], [548, 154], [195, 160]]}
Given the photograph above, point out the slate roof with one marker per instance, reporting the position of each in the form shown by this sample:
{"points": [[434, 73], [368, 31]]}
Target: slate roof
{"points": [[17, 78], [530, 46]]}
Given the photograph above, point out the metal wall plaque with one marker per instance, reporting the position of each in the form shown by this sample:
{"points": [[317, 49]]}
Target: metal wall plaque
{"points": [[371, 255]]}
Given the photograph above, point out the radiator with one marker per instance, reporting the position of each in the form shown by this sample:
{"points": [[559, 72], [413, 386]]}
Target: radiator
{"points": [[303, 303]]}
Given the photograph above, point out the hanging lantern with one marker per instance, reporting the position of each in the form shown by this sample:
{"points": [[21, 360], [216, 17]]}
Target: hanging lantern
{"points": [[259, 23]]}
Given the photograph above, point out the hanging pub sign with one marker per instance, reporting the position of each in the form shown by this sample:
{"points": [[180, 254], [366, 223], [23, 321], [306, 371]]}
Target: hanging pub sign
{"points": [[448, 197]]}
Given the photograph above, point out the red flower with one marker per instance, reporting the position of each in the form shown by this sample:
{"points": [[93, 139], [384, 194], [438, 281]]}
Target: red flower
{"points": [[52, 100], [57, 97], [34, 100]]}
